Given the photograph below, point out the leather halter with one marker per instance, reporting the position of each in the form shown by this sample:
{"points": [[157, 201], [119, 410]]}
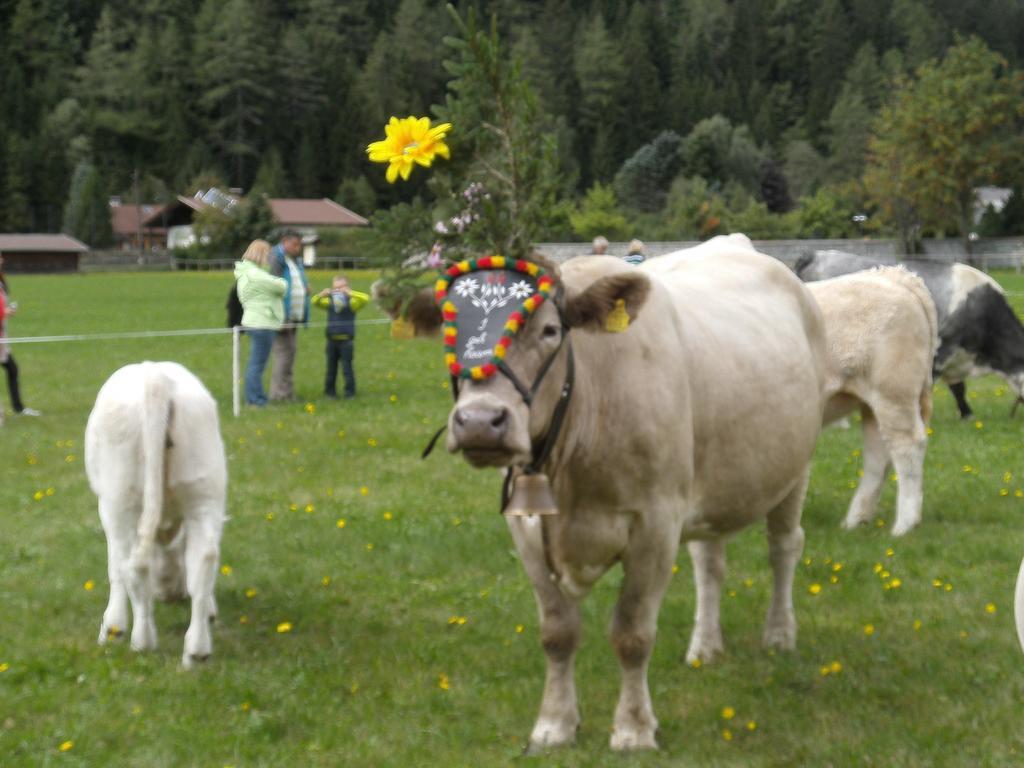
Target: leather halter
{"points": [[542, 448]]}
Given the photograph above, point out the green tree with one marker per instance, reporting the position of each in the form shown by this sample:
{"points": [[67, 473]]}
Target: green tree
{"points": [[357, 195], [956, 127], [643, 180], [15, 211], [87, 215], [921, 32], [601, 73], [849, 127], [804, 167], [271, 178], [827, 60], [234, 79], [599, 214]]}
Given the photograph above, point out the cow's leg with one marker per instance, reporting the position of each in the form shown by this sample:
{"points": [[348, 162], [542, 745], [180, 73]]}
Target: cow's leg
{"points": [[876, 460], [119, 547], [959, 390], [905, 437], [785, 545], [647, 570], [202, 553], [169, 567], [139, 577], [708, 576], [560, 635]]}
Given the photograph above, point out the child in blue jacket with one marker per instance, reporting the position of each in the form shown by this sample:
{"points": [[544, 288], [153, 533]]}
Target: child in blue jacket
{"points": [[341, 303]]}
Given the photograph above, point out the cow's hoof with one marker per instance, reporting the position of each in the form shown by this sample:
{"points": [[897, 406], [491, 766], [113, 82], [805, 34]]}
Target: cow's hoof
{"points": [[109, 634], [782, 638], [633, 740], [144, 637], [853, 522], [901, 528], [704, 648], [548, 734], [190, 660]]}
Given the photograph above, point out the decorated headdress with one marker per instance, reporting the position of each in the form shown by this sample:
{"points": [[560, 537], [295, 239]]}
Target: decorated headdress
{"points": [[484, 303]]}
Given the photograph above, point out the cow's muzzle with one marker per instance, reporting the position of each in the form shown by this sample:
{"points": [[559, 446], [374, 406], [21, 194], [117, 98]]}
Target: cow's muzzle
{"points": [[481, 432]]}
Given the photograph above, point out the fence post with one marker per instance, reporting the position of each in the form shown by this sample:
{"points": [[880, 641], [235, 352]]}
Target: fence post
{"points": [[236, 348]]}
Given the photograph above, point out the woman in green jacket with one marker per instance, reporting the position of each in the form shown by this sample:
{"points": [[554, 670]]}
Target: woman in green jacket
{"points": [[262, 297]]}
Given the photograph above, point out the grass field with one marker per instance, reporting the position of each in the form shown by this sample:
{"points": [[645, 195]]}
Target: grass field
{"points": [[413, 637]]}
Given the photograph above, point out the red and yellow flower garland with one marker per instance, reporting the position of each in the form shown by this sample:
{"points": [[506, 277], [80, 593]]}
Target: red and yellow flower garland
{"points": [[515, 321]]}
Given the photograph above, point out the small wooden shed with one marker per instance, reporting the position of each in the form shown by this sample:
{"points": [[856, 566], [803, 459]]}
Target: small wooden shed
{"points": [[40, 253]]}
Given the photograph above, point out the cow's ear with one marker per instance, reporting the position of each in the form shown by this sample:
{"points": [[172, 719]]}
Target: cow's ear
{"points": [[610, 303]]}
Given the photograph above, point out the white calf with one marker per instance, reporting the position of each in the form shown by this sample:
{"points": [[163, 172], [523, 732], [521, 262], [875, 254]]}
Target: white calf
{"points": [[155, 460], [880, 327]]}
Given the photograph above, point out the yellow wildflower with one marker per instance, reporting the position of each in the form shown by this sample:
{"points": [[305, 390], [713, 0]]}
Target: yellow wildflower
{"points": [[364, 491], [917, 625], [310, 508], [341, 522], [325, 581], [407, 141], [226, 570], [990, 608], [675, 568], [869, 629], [310, 408], [4, 666], [67, 745], [728, 713], [38, 496], [89, 585], [519, 629], [814, 588], [442, 682], [727, 734], [835, 668], [979, 424], [751, 725], [388, 516], [251, 592], [284, 626]]}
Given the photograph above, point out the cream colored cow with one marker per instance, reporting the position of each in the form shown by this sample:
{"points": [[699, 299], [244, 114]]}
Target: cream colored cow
{"points": [[696, 421], [155, 460], [881, 330]]}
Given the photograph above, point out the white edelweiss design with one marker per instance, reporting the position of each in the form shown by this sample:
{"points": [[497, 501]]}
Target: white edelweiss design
{"points": [[466, 287], [521, 290], [489, 296]]}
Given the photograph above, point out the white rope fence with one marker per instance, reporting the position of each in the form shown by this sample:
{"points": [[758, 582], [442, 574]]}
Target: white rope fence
{"points": [[236, 344]]}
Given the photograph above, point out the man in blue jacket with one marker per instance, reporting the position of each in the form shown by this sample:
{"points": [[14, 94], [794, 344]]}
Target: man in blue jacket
{"points": [[285, 262]]}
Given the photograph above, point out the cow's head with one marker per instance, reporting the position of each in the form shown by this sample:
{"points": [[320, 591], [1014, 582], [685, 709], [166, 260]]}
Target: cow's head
{"points": [[498, 419]]}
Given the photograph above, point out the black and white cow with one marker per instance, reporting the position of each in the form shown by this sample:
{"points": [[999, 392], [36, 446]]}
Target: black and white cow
{"points": [[979, 332]]}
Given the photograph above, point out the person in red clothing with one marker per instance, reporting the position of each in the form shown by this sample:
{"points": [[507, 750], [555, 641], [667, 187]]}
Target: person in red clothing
{"points": [[7, 309]]}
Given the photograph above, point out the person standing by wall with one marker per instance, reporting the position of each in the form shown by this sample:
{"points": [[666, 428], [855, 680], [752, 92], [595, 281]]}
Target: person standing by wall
{"points": [[599, 247], [285, 262], [262, 297], [8, 309], [341, 303], [635, 254]]}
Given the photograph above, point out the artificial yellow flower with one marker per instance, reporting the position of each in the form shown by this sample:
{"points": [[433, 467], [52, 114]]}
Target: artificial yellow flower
{"points": [[408, 141]]}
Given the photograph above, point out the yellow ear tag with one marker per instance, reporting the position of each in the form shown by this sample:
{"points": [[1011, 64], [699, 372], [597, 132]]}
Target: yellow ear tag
{"points": [[618, 319]]}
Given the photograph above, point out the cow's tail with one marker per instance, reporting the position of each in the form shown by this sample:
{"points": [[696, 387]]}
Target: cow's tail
{"points": [[156, 419], [1018, 605]]}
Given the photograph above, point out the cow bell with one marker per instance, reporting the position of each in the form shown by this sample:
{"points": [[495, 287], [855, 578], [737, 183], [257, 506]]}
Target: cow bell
{"points": [[531, 495]]}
